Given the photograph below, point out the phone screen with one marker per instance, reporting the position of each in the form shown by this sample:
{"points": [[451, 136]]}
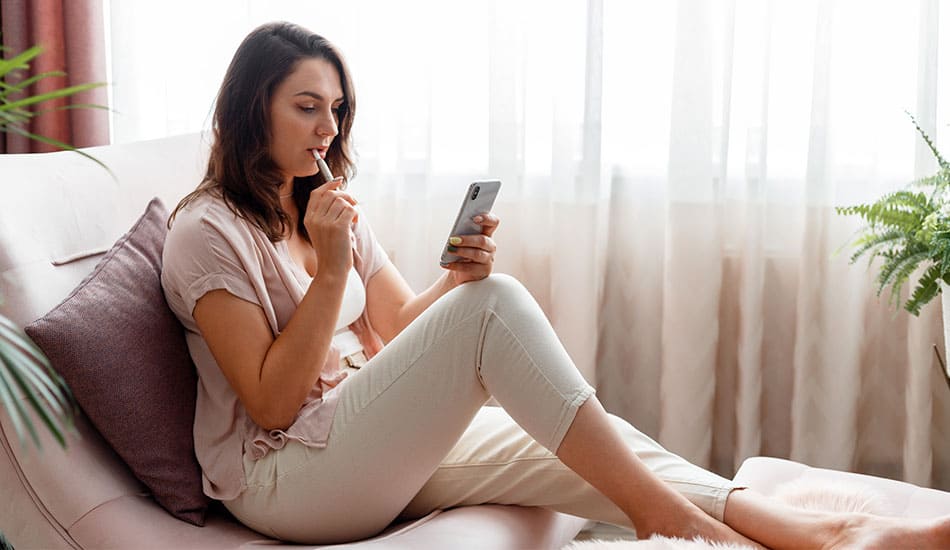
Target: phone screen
{"points": [[479, 199]]}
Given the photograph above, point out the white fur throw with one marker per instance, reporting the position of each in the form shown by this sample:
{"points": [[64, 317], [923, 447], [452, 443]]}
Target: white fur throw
{"points": [[811, 496]]}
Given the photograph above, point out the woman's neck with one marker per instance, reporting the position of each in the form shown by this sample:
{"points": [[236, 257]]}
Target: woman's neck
{"points": [[290, 208], [286, 190]]}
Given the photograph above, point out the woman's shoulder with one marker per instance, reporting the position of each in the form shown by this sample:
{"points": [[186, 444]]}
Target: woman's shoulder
{"points": [[207, 212], [206, 221], [208, 205]]}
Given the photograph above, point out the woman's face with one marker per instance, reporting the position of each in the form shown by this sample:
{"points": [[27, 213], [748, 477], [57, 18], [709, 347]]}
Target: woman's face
{"points": [[304, 113]]}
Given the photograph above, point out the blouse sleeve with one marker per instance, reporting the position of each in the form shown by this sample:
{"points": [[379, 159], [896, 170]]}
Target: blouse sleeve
{"points": [[202, 255], [373, 256]]}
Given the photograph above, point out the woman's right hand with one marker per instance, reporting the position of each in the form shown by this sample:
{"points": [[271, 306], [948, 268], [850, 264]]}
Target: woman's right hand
{"points": [[330, 213]]}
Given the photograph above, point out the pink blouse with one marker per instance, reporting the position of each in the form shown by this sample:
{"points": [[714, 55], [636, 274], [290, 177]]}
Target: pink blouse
{"points": [[209, 247]]}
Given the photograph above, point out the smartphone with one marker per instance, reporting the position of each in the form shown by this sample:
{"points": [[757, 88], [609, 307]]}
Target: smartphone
{"points": [[478, 200]]}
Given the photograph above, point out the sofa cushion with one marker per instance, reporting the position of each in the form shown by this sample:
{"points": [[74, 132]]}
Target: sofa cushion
{"points": [[123, 354]]}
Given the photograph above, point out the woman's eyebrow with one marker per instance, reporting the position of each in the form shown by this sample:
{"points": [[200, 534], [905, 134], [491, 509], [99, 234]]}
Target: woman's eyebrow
{"points": [[316, 96]]}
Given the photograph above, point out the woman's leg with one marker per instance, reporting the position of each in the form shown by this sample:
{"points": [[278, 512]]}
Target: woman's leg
{"points": [[780, 526], [403, 412], [640, 471], [495, 461]]}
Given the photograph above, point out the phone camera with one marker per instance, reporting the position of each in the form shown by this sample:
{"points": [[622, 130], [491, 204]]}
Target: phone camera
{"points": [[475, 192]]}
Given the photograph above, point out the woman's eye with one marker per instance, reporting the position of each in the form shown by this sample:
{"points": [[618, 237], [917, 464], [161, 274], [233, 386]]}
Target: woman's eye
{"points": [[307, 108]]}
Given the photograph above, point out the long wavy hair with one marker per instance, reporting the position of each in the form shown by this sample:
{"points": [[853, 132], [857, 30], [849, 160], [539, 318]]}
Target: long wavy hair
{"points": [[240, 167]]}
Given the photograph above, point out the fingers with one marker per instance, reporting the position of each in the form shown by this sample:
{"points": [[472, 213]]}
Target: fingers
{"points": [[480, 242], [328, 201], [473, 255], [476, 252], [333, 206], [340, 211], [468, 271], [489, 223], [337, 185]]}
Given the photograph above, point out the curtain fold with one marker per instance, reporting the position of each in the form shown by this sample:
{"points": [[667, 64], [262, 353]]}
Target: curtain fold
{"points": [[72, 36], [670, 175]]}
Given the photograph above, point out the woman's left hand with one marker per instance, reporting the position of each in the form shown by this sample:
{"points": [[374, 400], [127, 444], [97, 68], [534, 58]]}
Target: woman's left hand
{"points": [[477, 252]]}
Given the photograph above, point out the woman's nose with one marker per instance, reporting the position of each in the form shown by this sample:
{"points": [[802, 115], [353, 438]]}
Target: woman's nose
{"points": [[327, 126]]}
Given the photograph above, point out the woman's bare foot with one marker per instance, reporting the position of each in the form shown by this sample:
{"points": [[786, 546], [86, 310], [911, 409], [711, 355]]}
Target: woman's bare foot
{"points": [[875, 532]]}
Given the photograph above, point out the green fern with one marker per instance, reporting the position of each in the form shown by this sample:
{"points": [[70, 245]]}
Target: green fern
{"points": [[944, 167], [901, 210], [895, 271], [927, 288], [908, 229], [873, 243]]}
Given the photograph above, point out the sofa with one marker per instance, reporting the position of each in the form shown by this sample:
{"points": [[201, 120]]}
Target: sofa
{"points": [[59, 214]]}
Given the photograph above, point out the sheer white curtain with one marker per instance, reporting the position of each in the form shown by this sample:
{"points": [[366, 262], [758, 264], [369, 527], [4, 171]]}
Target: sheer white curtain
{"points": [[670, 171]]}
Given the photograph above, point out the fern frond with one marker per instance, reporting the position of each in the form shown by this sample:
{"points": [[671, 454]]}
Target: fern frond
{"points": [[933, 148], [899, 268], [927, 287], [904, 210], [937, 183], [904, 197], [875, 240], [940, 245], [909, 229], [884, 215], [897, 272]]}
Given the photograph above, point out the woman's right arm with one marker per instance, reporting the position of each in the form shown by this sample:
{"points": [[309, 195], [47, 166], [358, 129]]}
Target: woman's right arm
{"points": [[273, 376]]}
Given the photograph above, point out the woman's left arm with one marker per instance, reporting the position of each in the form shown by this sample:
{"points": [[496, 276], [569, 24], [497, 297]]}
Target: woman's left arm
{"points": [[391, 303]]}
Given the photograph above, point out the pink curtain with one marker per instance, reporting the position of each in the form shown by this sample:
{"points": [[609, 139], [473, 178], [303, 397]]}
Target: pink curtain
{"points": [[72, 36]]}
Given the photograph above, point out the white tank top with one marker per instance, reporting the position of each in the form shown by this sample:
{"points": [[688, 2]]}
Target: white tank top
{"points": [[354, 302]]}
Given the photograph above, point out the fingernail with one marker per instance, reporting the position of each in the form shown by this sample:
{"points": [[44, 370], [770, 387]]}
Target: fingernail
{"points": [[451, 248], [478, 219], [455, 240]]}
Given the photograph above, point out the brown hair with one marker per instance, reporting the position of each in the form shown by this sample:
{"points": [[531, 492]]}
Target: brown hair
{"points": [[240, 167]]}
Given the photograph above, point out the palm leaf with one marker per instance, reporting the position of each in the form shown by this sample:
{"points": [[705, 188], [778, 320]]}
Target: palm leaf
{"points": [[11, 401], [57, 143], [36, 376], [9, 118], [7, 326], [22, 85], [24, 370], [20, 61], [55, 94], [42, 404], [72, 106], [28, 371]]}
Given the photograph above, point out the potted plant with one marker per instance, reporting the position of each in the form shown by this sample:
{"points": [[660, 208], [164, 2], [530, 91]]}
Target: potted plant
{"points": [[909, 230], [24, 370]]}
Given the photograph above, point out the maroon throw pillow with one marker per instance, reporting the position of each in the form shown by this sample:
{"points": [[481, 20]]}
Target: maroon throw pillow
{"points": [[122, 352]]}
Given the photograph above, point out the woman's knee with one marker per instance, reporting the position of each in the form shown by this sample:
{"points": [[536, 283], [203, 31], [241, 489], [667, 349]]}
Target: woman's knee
{"points": [[497, 294], [501, 287]]}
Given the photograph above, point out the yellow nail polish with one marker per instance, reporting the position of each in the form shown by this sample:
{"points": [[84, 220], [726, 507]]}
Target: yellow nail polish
{"points": [[455, 240]]}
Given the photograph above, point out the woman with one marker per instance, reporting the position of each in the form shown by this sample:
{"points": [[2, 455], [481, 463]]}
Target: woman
{"points": [[285, 294]]}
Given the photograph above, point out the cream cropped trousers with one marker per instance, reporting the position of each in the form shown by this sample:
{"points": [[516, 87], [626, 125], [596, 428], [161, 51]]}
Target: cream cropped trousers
{"points": [[411, 435]]}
